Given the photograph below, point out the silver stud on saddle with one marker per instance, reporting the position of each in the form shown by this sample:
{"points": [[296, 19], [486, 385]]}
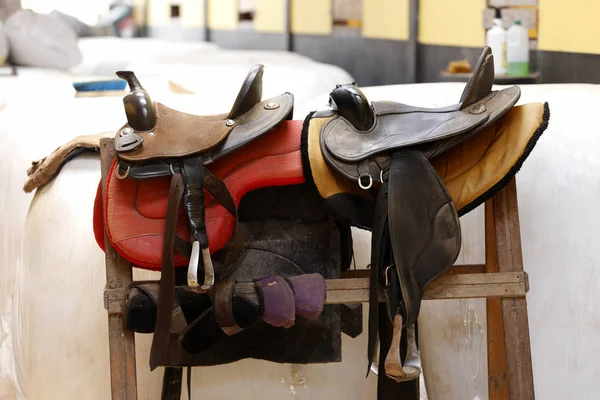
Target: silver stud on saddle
{"points": [[272, 105]]}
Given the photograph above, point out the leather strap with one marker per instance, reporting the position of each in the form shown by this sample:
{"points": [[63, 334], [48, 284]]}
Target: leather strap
{"points": [[379, 246], [217, 188], [178, 322], [171, 385], [192, 172], [159, 352], [224, 307], [219, 191], [235, 245], [189, 382]]}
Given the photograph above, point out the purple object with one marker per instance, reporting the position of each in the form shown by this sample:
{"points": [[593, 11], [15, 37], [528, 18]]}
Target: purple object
{"points": [[276, 301], [310, 293]]}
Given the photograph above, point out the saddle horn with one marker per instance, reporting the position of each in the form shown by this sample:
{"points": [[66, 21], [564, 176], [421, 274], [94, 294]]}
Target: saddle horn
{"points": [[138, 104], [352, 104]]}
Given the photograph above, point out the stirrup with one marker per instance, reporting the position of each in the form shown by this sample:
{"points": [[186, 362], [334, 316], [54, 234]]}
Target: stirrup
{"points": [[393, 364], [209, 271]]}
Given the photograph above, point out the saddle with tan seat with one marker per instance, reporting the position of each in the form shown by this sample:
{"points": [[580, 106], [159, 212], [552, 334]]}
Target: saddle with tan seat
{"points": [[386, 147]]}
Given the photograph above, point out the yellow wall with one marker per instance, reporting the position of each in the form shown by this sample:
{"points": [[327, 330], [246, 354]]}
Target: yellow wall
{"points": [[311, 17], [386, 19], [139, 12], [191, 13], [270, 16], [453, 22], [223, 14], [570, 26], [159, 12]]}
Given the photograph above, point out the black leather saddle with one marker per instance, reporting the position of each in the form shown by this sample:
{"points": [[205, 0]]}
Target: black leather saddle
{"points": [[385, 147], [358, 143]]}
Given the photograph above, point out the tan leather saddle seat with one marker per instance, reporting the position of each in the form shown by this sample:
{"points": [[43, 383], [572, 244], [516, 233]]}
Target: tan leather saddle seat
{"points": [[175, 134]]}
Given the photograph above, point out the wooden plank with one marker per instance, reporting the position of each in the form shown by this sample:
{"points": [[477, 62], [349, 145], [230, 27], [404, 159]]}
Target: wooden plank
{"points": [[497, 382], [514, 310], [118, 275], [456, 269], [356, 290]]}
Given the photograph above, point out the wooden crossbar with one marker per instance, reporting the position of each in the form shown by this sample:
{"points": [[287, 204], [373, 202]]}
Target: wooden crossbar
{"points": [[453, 286]]}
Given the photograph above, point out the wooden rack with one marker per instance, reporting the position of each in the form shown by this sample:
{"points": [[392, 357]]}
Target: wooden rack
{"points": [[501, 280]]}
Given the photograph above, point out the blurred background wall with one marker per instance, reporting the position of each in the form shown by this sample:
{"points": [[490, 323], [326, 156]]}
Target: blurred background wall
{"points": [[376, 41]]}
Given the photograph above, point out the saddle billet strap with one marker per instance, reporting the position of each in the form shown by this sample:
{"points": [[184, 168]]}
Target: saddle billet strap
{"points": [[379, 246], [189, 382], [159, 352], [171, 384], [223, 304], [217, 188], [192, 172]]}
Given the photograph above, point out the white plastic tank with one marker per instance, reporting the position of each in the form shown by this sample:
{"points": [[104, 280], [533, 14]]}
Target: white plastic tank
{"points": [[496, 39], [517, 50]]}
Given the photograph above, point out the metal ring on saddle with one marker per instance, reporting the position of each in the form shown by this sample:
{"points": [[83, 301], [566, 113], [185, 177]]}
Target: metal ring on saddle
{"points": [[118, 175], [363, 186]]}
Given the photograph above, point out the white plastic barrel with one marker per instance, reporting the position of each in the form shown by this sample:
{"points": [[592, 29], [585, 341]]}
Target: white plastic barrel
{"points": [[517, 50], [496, 40]]}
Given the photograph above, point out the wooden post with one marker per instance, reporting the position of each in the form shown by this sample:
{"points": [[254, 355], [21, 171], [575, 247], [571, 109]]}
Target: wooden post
{"points": [[121, 341], [514, 310], [497, 382]]}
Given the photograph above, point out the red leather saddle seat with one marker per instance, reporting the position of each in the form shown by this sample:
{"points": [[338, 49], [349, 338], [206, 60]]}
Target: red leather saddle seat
{"points": [[134, 210]]}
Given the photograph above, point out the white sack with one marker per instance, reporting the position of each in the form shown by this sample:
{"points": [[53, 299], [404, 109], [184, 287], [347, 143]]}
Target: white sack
{"points": [[41, 40]]}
